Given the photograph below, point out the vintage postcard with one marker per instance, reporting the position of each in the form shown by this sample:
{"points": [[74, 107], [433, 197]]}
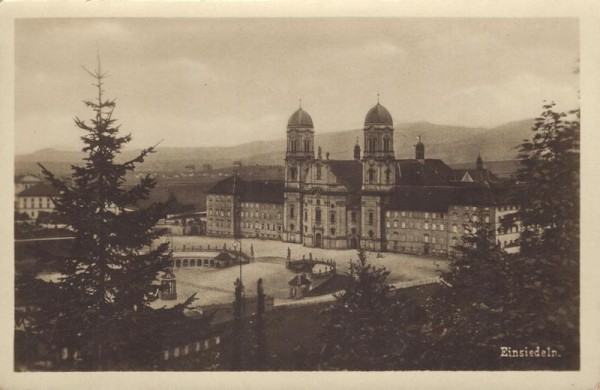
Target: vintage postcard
{"points": [[240, 195]]}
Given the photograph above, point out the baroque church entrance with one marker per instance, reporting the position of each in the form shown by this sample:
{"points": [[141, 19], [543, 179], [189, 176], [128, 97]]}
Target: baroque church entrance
{"points": [[318, 240]]}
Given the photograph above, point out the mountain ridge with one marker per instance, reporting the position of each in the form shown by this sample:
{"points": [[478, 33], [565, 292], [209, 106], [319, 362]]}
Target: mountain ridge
{"points": [[452, 144]]}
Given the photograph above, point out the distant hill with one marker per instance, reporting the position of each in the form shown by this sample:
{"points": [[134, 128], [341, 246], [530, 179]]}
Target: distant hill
{"points": [[453, 144]]}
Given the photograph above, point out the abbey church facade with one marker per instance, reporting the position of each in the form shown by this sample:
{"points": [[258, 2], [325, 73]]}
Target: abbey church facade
{"points": [[372, 199]]}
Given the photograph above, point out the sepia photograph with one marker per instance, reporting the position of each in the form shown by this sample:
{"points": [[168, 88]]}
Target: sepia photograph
{"points": [[297, 194]]}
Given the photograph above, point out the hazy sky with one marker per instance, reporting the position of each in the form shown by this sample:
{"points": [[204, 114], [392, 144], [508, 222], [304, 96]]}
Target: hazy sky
{"points": [[204, 82]]}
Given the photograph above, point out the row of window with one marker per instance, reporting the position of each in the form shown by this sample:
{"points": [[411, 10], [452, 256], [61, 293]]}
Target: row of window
{"points": [[191, 348], [293, 145], [426, 239], [410, 214], [219, 197], [224, 224], [221, 213], [373, 145], [250, 214], [387, 175], [259, 205], [34, 203], [511, 229], [256, 225]]}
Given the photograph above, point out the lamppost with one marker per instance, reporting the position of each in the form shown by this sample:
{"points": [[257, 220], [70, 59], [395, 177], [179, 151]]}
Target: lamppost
{"points": [[236, 244]]}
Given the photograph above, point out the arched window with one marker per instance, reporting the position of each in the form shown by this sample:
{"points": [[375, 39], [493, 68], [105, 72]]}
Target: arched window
{"points": [[371, 234], [353, 231], [292, 227], [306, 145], [371, 175], [318, 215], [318, 172], [292, 212], [332, 231], [332, 218], [387, 175], [371, 218], [353, 216], [293, 173], [386, 144], [372, 144]]}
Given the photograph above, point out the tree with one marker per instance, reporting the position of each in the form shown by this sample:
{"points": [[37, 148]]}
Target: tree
{"points": [[526, 300], [550, 167], [467, 314], [368, 327], [99, 305]]}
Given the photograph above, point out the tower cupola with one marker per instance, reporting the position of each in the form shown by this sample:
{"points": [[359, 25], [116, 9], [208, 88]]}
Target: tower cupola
{"points": [[357, 150], [420, 150]]}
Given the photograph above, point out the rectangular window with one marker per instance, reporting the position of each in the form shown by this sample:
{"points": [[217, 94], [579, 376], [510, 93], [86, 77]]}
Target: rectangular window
{"points": [[404, 213], [387, 214], [426, 215], [387, 224]]}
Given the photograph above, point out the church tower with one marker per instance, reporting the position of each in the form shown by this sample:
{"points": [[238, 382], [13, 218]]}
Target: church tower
{"points": [[299, 155], [378, 157], [379, 175]]}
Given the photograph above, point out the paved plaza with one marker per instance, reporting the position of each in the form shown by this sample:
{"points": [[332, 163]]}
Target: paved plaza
{"points": [[216, 285]]}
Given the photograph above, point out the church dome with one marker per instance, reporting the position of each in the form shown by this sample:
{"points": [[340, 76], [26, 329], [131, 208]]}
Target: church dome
{"points": [[300, 118], [378, 115]]}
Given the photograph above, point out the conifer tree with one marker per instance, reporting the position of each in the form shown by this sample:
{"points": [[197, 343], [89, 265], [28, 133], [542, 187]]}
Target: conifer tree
{"points": [[550, 166], [525, 300], [466, 313], [369, 326], [101, 303]]}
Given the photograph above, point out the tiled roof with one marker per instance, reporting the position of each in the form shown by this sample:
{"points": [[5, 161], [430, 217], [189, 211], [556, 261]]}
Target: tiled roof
{"points": [[27, 179], [439, 198], [41, 189], [224, 256], [348, 172], [430, 172], [479, 175], [228, 186], [259, 191], [263, 192]]}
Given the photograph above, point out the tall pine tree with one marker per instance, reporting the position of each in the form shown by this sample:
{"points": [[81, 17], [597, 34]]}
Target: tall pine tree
{"points": [[102, 301]]}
